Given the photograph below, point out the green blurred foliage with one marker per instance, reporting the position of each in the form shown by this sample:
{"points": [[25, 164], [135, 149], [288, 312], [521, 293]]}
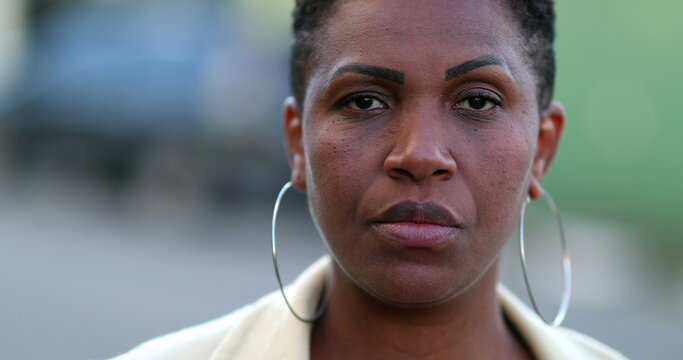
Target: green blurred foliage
{"points": [[274, 17], [618, 77]]}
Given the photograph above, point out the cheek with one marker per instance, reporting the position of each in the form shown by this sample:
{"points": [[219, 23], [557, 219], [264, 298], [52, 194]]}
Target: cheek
{"points": [[338, 168], [501, 181]]}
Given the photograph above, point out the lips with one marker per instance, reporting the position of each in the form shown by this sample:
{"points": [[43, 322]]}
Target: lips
{"points": [[415, 224]]}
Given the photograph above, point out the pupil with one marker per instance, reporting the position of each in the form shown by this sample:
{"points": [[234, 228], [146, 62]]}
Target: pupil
{"points": [[364, 103], [477, 103]]}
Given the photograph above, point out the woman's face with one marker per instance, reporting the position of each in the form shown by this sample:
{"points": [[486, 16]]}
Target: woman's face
{"points": [[420, 138]]}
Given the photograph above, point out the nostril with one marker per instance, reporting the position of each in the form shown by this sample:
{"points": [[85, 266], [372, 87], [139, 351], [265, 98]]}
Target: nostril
{"points": [[402, 172], [419, 164]]}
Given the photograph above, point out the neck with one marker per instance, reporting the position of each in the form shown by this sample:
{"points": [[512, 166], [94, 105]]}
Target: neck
{"points": [[469, 326]]}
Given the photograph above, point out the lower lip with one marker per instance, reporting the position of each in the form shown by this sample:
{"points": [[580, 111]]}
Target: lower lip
{"points": [[414, 234]]}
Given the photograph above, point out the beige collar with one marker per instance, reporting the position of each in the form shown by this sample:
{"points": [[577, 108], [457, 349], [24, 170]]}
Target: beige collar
{"points": [[267, 330]]}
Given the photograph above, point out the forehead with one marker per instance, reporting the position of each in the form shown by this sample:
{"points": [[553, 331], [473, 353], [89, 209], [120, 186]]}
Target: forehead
{"points": [[403, 34]]}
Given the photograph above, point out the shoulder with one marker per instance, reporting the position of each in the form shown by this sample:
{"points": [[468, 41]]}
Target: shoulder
{"points": [[547, 342], [586, 347], [265, 329], [201, 341]]}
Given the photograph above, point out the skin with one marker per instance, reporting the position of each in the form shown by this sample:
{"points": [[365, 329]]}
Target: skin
{"points": [[418, 139]]}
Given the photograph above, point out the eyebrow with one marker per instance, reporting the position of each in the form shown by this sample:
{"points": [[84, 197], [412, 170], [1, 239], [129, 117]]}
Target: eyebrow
{"points": [[473, 64], [372, 70]]}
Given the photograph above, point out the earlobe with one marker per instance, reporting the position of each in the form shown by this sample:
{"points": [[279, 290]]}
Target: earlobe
{"points": [[548, 141], [535, 188], [298, 172], [293, 135]]}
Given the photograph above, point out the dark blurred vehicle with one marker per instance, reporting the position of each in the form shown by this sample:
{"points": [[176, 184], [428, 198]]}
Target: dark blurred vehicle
{"points": [[125, 90]]}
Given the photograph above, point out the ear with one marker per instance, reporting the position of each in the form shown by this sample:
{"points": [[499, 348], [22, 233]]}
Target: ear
{"points": [[549, 133], [293, 134]]}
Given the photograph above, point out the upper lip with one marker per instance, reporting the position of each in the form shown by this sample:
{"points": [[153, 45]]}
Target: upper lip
{"points": [[420, 213]]}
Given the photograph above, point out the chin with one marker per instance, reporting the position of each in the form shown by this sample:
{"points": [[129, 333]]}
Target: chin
{"points": [[415, 285]]}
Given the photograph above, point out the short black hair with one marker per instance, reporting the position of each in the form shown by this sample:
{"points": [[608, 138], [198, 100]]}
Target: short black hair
{"points": [[536, 19]]}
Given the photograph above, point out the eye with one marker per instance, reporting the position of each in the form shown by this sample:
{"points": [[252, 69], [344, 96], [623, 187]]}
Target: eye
{"points": [[480, 101], [362, 102], [476, 103]]}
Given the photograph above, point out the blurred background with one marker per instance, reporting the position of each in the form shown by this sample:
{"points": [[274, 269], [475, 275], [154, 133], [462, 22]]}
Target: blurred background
{"points": [[140, 154]]}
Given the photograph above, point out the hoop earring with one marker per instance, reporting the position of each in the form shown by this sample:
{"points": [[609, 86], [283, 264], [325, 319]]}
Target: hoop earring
{"points": [[566, 263], [323, 305]]}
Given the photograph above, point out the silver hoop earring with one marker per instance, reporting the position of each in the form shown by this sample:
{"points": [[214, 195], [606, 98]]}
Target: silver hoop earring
{"points": [[566, 264], [323, 305]]}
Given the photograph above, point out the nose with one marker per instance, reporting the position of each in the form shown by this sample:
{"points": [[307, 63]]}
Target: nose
{"points": [[420, 152]]}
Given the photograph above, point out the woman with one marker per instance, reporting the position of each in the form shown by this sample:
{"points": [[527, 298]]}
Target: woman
{"points": [[417, 129]]}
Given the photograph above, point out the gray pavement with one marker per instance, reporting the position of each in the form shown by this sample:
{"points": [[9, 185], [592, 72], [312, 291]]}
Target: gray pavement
{"points": [[82, 279]]}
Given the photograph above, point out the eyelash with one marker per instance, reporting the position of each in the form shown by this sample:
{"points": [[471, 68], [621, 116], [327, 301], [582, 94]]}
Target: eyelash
{"points": [[346, 101], [479, 93]]}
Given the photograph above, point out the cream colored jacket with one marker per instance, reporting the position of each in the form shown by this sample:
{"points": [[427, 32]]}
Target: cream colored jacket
{"points": [[267, 330]]}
